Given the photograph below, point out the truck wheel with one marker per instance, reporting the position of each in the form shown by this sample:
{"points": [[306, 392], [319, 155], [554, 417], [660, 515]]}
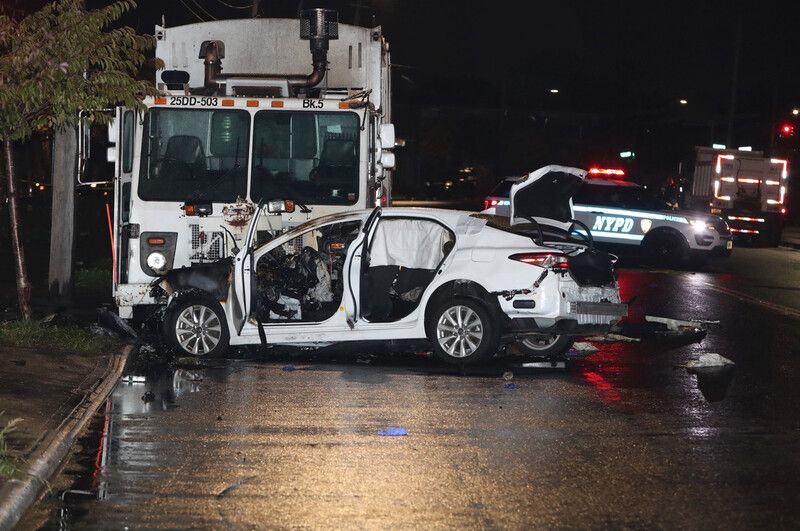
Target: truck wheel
{"points": [[666, 249], [545, 346], [463, 331], [196, 326]]}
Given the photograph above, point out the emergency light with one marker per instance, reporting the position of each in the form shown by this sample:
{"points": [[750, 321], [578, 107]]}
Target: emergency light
{"points": [[607, 171]]}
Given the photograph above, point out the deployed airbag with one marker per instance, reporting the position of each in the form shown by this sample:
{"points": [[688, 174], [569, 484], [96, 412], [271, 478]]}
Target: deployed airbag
{"points": [[412, 243]]}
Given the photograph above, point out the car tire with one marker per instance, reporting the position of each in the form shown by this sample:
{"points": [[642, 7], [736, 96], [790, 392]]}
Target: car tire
{"points": [[666, 249], [545, 346], [463, 331], [196, 326]]}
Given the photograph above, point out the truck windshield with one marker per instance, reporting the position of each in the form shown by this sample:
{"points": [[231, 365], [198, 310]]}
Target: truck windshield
{"points": [[311, 157], [194, 155]]}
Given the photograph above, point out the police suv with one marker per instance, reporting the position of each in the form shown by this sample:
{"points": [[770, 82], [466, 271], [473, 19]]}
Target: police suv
{"points": [[623, 217]]}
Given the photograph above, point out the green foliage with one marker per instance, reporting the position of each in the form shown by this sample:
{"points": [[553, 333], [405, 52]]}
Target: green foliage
{"points": [[63, 59], [8, 464], [66, 339]]}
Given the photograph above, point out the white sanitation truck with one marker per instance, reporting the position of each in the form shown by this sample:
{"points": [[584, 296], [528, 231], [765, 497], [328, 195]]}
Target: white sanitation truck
{"points": [[246, 116], [745, 188]]}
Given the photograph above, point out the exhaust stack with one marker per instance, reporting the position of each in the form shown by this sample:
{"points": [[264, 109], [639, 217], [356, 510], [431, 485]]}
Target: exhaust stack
{"points": [[318, 26]]}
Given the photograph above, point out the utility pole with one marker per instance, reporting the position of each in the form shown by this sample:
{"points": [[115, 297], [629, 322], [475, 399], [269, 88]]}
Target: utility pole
{"points": [[735, 79], [65, 161]]}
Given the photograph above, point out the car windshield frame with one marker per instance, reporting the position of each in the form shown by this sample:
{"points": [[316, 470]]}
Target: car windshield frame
{"points": [[180, 165]]}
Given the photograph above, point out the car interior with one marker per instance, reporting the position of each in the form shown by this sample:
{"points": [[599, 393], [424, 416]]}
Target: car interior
{"points": [[403, 255], [303, 279]]}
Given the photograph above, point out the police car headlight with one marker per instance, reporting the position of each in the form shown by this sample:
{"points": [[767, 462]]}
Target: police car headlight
{"points": [[157, 262], [700, 225]]}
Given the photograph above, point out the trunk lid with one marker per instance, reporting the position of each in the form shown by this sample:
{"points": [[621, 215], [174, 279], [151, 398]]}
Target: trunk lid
{"points": [[546, 196]]}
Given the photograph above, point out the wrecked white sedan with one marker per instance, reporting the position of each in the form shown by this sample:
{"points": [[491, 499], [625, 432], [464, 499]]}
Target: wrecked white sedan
{"points": [[468, 283]]}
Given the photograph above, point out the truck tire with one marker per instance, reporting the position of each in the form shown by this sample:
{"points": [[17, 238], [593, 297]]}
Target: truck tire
{"points": [[196, 326], [463, 331]]}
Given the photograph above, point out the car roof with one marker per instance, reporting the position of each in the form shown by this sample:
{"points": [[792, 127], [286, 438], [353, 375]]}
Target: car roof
{"points": [[447, 215]]}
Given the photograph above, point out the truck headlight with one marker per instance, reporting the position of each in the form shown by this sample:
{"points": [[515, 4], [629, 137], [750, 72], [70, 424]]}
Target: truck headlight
{"points": [[157, 261]]}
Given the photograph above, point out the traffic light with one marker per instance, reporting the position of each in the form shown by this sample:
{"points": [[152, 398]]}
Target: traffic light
{"points": [[787, 130]]}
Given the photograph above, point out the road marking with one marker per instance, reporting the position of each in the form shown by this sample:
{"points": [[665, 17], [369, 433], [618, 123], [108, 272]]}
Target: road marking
{"points": [[786, 310]]}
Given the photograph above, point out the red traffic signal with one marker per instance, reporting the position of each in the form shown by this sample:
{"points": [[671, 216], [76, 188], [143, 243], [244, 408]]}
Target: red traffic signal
{"points": [[787, 130]]}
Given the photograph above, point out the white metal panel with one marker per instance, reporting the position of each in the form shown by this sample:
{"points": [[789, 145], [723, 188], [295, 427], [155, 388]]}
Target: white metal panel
{"points": [[273, 46]]}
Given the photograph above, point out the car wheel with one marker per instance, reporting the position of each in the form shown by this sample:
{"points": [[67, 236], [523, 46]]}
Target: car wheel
{"points": [[463, 331], [545, 346], [196, 326], [666, 249]]}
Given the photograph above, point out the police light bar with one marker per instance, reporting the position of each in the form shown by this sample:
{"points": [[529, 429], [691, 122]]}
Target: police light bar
{"points": [[606, 171]]}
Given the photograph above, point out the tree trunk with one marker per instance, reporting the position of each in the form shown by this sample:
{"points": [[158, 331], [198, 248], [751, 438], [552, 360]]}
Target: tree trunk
{"points": [[23, 286], [63, 220]]}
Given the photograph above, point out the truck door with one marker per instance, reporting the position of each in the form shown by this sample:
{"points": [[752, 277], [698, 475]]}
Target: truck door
{"points": [[126, 128]]}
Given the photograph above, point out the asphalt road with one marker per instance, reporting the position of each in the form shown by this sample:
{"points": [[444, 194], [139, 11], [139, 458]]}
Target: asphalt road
{"points": [[623, 438]]}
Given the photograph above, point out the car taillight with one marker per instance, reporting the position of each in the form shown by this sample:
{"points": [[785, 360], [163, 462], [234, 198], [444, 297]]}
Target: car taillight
{"points": [[548, 260], [488, 203]]}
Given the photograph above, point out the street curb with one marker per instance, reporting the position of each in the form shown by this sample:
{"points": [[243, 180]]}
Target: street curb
{"points": [[17, 496]]}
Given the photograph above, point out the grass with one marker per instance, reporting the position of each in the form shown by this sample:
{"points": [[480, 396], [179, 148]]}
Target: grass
{"points": [[8, 464], [69, 339]]}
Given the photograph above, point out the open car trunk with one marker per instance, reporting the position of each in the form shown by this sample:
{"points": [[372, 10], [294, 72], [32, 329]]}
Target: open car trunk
{"points": [[544, 198]]}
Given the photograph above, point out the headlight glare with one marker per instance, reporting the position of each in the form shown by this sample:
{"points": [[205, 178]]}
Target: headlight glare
{"points": [[157, 261]]}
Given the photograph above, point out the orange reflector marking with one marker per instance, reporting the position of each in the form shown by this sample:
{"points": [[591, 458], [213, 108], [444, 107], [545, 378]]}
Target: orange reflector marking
{"points": [[155, 241], [252, 103], [189, 210], [344, 105], [276, 103], [161, 101], [227, 103]]}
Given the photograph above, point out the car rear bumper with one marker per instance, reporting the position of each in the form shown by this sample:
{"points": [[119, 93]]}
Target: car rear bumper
{"points": [[526, 326]]}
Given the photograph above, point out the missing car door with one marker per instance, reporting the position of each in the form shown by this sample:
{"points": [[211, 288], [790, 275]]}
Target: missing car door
{"points": [[404, 255]]}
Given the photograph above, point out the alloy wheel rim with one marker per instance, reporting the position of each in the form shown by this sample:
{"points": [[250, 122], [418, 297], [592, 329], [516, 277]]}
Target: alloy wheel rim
{"points": [[198, 329], [542, 342], [459, 331]]}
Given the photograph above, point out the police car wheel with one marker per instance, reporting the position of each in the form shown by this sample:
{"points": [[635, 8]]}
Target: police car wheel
{"points": [[666, 249], [545, 346]]}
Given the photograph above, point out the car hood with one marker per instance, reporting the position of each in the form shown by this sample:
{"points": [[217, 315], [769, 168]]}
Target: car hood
{"points": [[546, 195]]}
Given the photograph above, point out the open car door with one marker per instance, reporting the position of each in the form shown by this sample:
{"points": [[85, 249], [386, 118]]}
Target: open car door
{"points": [[242, 271], [545, 195]]}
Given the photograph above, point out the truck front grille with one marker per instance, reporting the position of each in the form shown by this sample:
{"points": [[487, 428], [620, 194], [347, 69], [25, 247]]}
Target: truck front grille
{"points": [[207, 246]]}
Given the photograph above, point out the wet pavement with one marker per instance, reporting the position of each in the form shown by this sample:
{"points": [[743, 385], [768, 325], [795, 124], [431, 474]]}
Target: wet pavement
{"points": [[623, 438]]}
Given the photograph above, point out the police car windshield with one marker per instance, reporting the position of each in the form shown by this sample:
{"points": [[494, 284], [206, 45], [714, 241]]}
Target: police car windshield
{"points": [[194, 154], [617, 196]]}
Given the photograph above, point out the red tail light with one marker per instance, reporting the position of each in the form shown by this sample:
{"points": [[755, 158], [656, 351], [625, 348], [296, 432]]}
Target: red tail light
{"points": [[783, 210], [487, 203], [548, 260]]}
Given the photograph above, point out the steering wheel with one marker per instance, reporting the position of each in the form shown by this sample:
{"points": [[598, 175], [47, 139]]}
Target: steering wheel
{"points": [[587, 237]]}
